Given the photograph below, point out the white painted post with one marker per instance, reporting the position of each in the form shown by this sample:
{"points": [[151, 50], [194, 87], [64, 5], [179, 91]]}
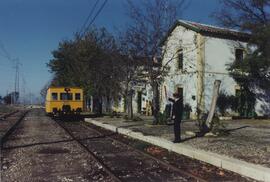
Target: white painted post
{"points": [[213, 103], [92, 104]]}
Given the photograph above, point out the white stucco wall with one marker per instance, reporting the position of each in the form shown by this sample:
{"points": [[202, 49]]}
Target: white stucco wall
{"points": [[218, 54], [180, 38], [262, 106]]}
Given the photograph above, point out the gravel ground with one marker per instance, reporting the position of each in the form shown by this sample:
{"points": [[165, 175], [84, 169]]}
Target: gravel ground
{"points": [[39, 150], [6, 109], [248, 139], [7, 123]]}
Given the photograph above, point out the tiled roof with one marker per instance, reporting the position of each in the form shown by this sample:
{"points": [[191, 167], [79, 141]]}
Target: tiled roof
{"points": [[211, 31], [216, 31]]}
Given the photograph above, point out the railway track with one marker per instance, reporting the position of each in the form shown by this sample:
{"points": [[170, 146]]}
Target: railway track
{"points": [[191, 167], [106, 168], [9, 125], [95, 145], [154, 158], [4, 116]]}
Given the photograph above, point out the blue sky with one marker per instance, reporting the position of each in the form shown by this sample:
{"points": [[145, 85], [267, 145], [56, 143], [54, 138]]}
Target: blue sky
{"points": [[31, 29]]}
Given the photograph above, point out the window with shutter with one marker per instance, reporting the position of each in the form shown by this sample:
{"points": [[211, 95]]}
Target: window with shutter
{"points": [[180, 60]]}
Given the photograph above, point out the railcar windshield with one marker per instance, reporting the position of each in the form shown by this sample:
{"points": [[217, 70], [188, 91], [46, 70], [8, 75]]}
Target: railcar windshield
{"points": [[54, 96], [65, 96], [77, 96]]}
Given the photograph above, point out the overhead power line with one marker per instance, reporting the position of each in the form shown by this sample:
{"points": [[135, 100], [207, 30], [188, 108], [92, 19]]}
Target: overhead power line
{"points": [[5, 52], [89, 16], [17, 65], [93, 20]]}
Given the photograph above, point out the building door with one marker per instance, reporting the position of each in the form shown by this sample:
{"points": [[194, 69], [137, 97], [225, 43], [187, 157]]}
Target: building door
{"points": [[180, 91]]}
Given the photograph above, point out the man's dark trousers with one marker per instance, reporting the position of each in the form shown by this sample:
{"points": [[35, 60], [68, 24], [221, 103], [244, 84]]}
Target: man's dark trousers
{"points": [[177, 113], [177, 130]]}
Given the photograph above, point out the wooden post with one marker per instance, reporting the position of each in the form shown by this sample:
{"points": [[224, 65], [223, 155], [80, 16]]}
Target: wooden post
{"points": [[213, 103], [92, 104], [129, 104]]}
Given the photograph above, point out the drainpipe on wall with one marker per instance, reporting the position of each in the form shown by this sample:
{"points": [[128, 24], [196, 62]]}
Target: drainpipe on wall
{"points": [[200, 74]]}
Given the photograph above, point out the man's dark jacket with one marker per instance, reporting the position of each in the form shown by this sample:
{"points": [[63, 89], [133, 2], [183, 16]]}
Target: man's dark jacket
{"points": [[178, 110]]}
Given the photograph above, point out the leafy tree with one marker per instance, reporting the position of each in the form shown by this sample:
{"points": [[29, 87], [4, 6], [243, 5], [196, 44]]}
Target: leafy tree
{"points": [[247, 15], [43, 91], [90, 62], [252, 16], [225, 102]]}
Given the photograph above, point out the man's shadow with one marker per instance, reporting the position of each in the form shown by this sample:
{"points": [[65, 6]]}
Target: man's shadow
{"points": [[202, 133]]}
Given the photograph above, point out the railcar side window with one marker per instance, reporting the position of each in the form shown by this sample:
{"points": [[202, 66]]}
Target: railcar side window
{"points": [[54, 96], [65, 96], [77, 96]]}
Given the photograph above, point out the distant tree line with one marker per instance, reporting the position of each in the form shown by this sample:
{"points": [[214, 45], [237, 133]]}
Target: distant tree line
{"points": [[10, 98]]}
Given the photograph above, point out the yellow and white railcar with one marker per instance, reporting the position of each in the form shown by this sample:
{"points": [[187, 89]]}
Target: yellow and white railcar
{"points": [[63, 100]]}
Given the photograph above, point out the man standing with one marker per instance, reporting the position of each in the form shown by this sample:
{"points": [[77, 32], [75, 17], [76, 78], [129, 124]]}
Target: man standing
{"points": [[177, 116]]}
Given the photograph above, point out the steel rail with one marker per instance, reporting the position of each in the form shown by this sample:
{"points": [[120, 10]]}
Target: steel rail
{"points": [[150, 156], [106, 168], [12, 128], [3, 138], [4, 116]]}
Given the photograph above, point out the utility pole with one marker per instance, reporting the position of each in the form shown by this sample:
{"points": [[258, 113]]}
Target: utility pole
{"points": [[15, 86], [31, 98], [23, 90], [7, 97], [17, 81]]}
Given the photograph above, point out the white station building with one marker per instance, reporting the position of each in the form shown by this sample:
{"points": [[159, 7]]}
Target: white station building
{"points": [[196, 55]]}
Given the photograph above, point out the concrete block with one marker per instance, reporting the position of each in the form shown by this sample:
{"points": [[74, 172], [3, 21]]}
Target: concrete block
{"points": [[207, 157], [246, 169], [267, 177], [161, 142], [100, 124]]}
